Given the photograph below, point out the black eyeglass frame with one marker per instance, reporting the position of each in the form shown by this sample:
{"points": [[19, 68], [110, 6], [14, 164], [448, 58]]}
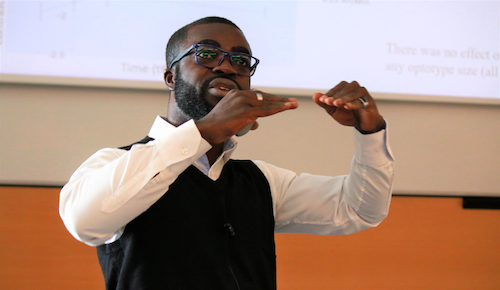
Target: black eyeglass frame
{"points": [[226, 53]]}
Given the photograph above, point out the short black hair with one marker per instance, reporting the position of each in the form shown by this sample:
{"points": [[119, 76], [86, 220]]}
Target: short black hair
{"points": [[173, 45]]}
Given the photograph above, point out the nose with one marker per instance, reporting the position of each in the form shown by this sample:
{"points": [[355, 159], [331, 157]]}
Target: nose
{"points": [[225, 67]]}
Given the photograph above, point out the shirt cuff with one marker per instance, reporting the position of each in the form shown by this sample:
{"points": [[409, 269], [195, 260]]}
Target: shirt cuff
{"points": [[189, 144], [372, 149]]}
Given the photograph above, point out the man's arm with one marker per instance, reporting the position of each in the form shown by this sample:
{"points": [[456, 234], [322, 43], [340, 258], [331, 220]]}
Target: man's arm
{"points": [[344, 204], [325, 205], [114, 186]]}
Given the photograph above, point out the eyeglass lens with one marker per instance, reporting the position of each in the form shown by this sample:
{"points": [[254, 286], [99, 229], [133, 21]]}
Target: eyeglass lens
{"points": [[211, 57]]}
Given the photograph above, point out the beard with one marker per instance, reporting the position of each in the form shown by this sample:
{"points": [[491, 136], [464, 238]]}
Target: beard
{"points": [[191, 101]]}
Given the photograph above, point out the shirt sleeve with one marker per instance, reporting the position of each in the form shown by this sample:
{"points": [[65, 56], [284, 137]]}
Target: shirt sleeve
{"points": [[114, 186], [324, 205]]}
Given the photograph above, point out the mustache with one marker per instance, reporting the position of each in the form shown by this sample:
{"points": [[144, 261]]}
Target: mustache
{"points": [[221, 76]]}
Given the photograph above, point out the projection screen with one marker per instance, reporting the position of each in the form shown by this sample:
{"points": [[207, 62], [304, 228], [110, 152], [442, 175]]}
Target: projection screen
{"points": [[446, 51]]}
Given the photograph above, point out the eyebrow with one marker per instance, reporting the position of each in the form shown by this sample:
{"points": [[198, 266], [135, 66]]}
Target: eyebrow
{"points": [[234, 48]]}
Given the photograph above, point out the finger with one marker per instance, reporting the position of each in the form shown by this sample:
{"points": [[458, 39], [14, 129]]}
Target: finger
{"points": [[265, 97], [262, 99], [271, 108], [329, 97], [337, 89], [360, 100], [346, 94], [317, 97], [269, 105]]}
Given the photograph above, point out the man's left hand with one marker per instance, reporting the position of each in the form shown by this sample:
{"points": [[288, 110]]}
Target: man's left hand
{"points": [[351, 105]]}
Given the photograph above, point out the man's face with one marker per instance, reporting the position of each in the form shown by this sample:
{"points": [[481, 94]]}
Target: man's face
{"points": [[198, 89], [190, 99]]}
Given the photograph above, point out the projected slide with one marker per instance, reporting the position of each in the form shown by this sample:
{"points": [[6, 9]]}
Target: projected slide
{"points": [[436, 48]]}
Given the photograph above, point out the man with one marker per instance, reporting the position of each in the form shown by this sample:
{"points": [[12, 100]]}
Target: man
{"points": [[173, 211]]}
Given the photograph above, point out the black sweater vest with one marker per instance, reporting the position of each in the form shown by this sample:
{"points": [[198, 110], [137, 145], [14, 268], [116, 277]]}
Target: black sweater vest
{"points": [[202, 234]]}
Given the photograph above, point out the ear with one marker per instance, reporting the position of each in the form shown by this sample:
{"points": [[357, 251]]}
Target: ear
{"points": [[169, 77]]}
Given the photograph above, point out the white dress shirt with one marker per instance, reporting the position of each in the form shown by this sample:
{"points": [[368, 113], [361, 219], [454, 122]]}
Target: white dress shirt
{"points": [[114, 186]]}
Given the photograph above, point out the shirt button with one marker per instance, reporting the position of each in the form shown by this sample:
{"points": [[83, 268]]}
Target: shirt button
{"points": [[184, 151]]}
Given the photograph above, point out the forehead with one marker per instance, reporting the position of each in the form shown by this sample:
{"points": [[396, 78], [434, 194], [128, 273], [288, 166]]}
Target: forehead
{"points": [[229, 37]]}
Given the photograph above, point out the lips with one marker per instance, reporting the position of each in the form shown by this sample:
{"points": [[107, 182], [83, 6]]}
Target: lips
{"points": [[219, 87]]}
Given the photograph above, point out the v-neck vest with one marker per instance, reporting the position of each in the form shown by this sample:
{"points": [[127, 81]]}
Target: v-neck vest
{"points": [[202, 234]]}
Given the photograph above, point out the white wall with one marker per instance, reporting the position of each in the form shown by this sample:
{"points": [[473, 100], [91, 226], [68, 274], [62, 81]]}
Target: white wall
{"points": [[441, 149]]}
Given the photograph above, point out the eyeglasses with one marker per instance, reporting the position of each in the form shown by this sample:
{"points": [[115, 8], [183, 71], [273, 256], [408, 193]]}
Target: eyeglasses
{"points": [[210, 56]]}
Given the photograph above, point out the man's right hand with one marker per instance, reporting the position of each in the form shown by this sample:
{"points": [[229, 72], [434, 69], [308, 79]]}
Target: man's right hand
{"points": [[238, 109]]}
